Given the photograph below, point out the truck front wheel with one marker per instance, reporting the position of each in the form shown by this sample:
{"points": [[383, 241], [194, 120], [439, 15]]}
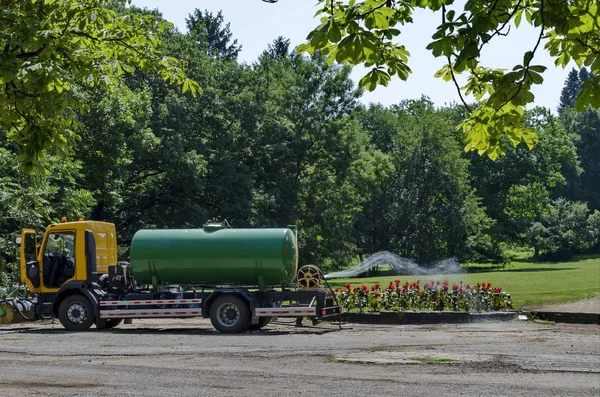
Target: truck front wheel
{"points": [[230, 314], [76, 313]]}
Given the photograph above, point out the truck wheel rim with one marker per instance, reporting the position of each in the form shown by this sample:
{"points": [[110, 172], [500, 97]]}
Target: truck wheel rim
{"points": [[228, 314], [76, 313]]}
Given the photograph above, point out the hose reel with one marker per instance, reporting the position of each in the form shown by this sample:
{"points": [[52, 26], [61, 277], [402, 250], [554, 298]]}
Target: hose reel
{"points": [[309, 277]]}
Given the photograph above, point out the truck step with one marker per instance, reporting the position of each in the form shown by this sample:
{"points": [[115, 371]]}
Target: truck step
{"points": [[150, 313], [151, 302]]}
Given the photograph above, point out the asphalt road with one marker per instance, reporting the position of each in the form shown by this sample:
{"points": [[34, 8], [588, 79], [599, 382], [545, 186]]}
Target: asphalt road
{"points": [[188, 358]]}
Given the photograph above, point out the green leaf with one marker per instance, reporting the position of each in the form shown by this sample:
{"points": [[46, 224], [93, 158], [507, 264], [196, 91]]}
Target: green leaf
{"points": [[334, 33]]}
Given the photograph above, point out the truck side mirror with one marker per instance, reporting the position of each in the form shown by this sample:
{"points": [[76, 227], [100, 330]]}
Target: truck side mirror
{"points": [[18, 241]]}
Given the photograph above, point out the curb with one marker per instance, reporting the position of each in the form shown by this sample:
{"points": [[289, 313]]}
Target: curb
{"points": [[392, 318], [563, 317]]}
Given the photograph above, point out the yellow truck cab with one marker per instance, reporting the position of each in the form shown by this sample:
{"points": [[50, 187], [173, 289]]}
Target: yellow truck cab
{"points": [[71, 255]]}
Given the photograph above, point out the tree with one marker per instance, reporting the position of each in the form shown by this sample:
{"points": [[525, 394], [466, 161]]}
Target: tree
{"points": [[426, 209], [212, 36], [366, 32], [569, 93], [314, 163], [279, 48], [50, 48], [583, 182]]}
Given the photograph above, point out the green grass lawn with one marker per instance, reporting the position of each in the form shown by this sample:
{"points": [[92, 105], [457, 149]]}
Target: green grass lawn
{"points": [[529, 283]]}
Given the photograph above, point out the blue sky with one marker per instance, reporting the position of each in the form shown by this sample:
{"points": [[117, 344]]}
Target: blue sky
{"points": [[255, 24]]}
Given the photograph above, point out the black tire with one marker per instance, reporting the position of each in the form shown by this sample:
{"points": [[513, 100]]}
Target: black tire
{"points": [[262, 322], [230, 314], [108, 323], [76, 313]]}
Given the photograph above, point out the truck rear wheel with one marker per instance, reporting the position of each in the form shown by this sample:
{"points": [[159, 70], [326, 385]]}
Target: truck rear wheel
{"points": [[262, 322], [108, 323], [230, 314], [76, 313]]}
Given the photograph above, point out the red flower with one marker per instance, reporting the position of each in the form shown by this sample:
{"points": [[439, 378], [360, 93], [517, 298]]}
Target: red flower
{"points": [[397, 282], [348, 286]]}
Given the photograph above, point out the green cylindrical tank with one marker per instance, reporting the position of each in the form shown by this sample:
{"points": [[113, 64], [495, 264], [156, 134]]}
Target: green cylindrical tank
{"points": [[215, 256]]}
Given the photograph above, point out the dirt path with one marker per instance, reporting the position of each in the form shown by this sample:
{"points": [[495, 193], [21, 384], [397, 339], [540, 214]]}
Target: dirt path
{"points": [[188, 358], [591, 305]]}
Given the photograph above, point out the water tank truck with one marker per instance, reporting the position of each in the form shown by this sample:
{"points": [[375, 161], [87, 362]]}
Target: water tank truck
{"points": [[239, 278]]}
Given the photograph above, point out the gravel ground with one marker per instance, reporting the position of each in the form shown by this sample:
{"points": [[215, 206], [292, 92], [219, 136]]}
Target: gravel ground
{"points": [[188, 358]]}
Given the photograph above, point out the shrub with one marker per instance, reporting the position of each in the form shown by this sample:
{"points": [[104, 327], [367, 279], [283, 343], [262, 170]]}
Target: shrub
{"points": [[565, 229]]}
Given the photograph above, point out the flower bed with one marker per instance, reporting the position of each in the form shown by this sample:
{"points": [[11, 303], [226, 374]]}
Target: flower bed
{"points": [[433, 296]]}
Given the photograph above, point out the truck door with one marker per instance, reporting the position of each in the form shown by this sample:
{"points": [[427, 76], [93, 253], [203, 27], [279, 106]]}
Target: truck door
{"points": [[58, 259], [30, 267]]}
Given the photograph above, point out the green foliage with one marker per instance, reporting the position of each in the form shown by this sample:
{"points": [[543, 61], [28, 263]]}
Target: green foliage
{"points": [[284, 141], [50, 48], [367, 32], [35, 200]]}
